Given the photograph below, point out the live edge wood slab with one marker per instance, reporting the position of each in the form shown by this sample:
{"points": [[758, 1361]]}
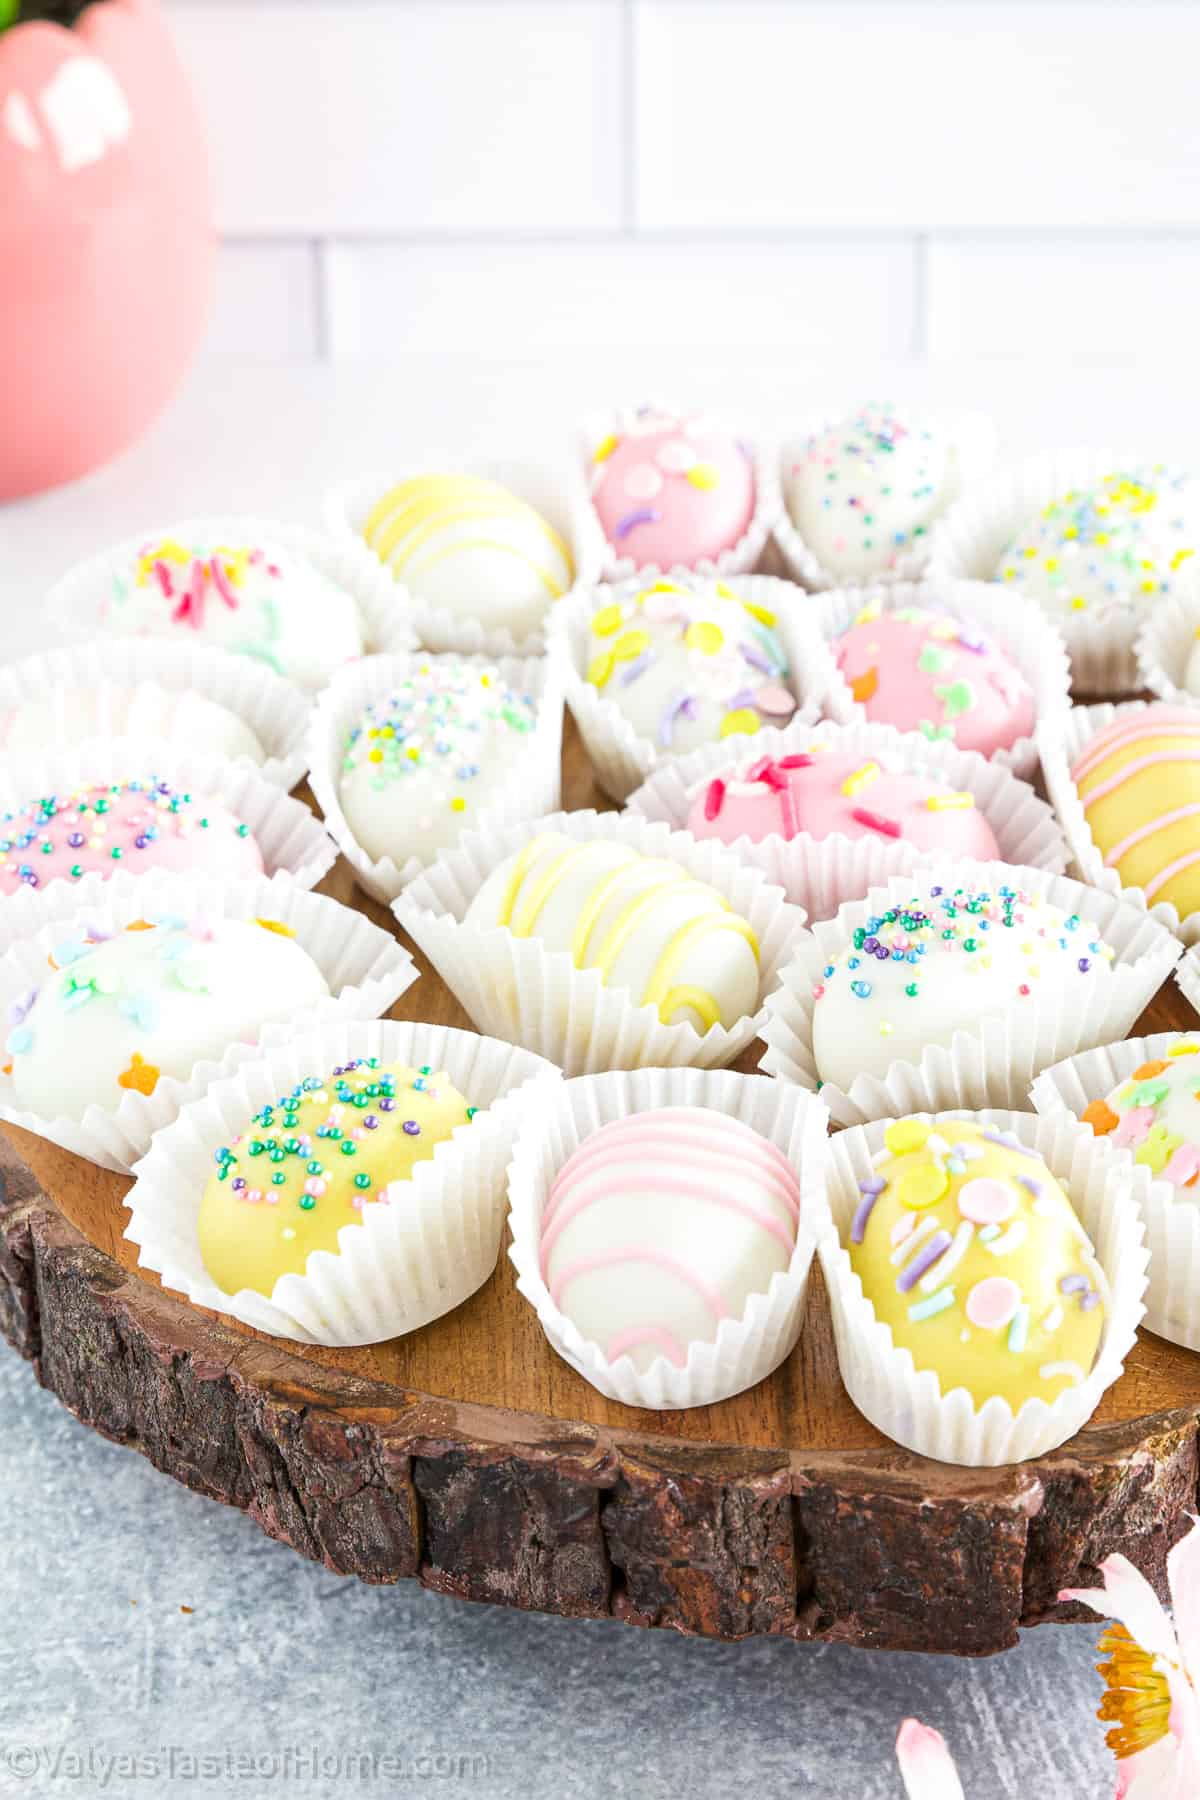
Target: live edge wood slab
{"points": [[469, 1457]]}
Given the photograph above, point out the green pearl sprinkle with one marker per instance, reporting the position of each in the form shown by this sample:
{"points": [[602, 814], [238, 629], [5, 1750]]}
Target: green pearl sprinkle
{"points": [[307, 1202], [278, 1179], [362, 1181], [349, 1149], [912, 990]]}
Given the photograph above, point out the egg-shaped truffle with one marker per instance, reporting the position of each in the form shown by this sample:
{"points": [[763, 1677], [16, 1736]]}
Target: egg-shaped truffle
{"points": [[689, 665], [69, 715], [672, 492], [257, 600], [1117, 544], [663, 1224], [423, 762], [644, 924], [471, 547], [971, 1253], [1139, 781], [941, 962], [117, 1014], [823, 791], [1155, 1114], [864, 492], [122, 827], [927, 671], [307, 1166]]}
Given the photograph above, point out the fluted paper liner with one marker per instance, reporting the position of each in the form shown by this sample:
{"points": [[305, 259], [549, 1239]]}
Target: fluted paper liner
{"points": [[1017, 625], [532, 785], [908, 1406], [365, 969], [77, 604], [350, 504], [620, 757], [994, 1063], [1060, 746], [820, 873], [745, 1349], [1164, 644], [972, 538], [739, 559], [275, 710], [1172, 1219], [973, 437], [413, 1257], [518, 989], [292, 840]]}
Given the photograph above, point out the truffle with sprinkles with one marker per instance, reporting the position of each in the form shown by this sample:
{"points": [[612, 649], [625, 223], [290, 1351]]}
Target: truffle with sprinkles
{"points": [[1116, 546], [688, 663], [971, 1253], [1155, 1116], [308, 1165], [422, 763], [941, 962], [671, 492], [124, 826]]}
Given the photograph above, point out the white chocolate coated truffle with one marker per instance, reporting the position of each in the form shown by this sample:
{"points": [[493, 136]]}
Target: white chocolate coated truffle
{"points": [[423, 762], [115, 1015], [663, 1224], [68, 715], [648, 926]]}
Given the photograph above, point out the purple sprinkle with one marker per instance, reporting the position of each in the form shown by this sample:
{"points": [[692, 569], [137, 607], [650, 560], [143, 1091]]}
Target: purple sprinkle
{"points": [[21, 1006], [637, 667], [970, 639], [239, 1182], [77, 840], [1073, 1284], [387, 1104], [1008, 1140], [866, 1207], [411, 1128], [925, 1258], [936, 891], [756, 659], [641, 515], [678, 704], [141, 841], [746, 449], [1027, 1181], [1084, 965], [371, 1122], [1089, 1300], [743, 697]]}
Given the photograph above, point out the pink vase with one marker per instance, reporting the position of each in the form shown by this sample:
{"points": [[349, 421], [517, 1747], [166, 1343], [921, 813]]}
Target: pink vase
{"points": [[106, 239]]}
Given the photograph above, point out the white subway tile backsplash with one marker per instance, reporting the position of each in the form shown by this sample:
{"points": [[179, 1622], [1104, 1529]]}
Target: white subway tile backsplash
{"points": [[360, 117], [266, 302], [513, 299], [870, 115]]}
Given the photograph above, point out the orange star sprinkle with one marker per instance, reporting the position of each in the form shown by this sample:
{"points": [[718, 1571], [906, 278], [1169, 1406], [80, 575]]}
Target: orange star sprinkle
{"points": [[863, 686], [140, 1076], [1101, 1117]]}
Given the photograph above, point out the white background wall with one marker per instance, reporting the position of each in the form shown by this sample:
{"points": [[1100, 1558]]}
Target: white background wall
{"points": [[867, 176]]}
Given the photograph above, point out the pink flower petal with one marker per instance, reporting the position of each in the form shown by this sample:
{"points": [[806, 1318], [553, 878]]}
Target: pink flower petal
{"points": [[925, 1763], [1162, 1772], [1128, 1596], [1183, 1574]]}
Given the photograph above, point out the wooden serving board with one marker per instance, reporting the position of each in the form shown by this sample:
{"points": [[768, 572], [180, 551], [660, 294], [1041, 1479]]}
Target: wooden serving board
{"points": [[469, 1456]]}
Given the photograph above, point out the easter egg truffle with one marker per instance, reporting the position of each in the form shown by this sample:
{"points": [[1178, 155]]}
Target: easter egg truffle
{"points": [[645, 924], [941, 962], [689, 665], [971, 1253], [663, 1224], [122, 827], [68, 715], [1116, 545], [1139, 781], [254, 599], [864, 492], [823, 791], [117, 1014], [308, 1166], [931, 672], [422, 763], [471, 547], [1155, 1114], [672, 492]]}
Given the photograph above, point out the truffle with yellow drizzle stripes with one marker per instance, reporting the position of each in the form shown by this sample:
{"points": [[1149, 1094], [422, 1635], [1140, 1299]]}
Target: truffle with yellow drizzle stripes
{"points": [[469, 546], [643, 923], [971, 1252]]}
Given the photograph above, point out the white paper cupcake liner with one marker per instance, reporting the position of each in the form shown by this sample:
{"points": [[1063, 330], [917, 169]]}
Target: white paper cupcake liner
{"points": [[993, 1065], [1016, 624], [620, 757], [276, 711], [819, 874], [77, 604], [365, 969], [414, 1257], [292, 840], [532, 786], [973, 436], [740, 559], [908, 1406], [745, 1349], [1060, 746], [1172, 1221], [518, 989], [972, 538], [349, 505], [1164, 644]]}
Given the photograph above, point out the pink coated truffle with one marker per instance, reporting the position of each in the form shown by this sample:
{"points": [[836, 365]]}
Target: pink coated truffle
{"points": [[672, 493]]}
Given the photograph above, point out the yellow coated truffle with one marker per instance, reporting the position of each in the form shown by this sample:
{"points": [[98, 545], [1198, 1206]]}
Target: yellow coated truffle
{"points": [[968, 1248], [1139, 781], [310, 1163]]}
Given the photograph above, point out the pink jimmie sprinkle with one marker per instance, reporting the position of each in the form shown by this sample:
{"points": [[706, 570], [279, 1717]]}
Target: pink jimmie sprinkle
{"points": [[164, 578], [876, 822], [714, 799], [221, 583], [818, 991]]}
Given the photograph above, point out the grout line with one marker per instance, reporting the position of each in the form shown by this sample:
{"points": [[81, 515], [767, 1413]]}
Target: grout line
{"points": [[322, 319], [920, 295], [629, 131]]}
